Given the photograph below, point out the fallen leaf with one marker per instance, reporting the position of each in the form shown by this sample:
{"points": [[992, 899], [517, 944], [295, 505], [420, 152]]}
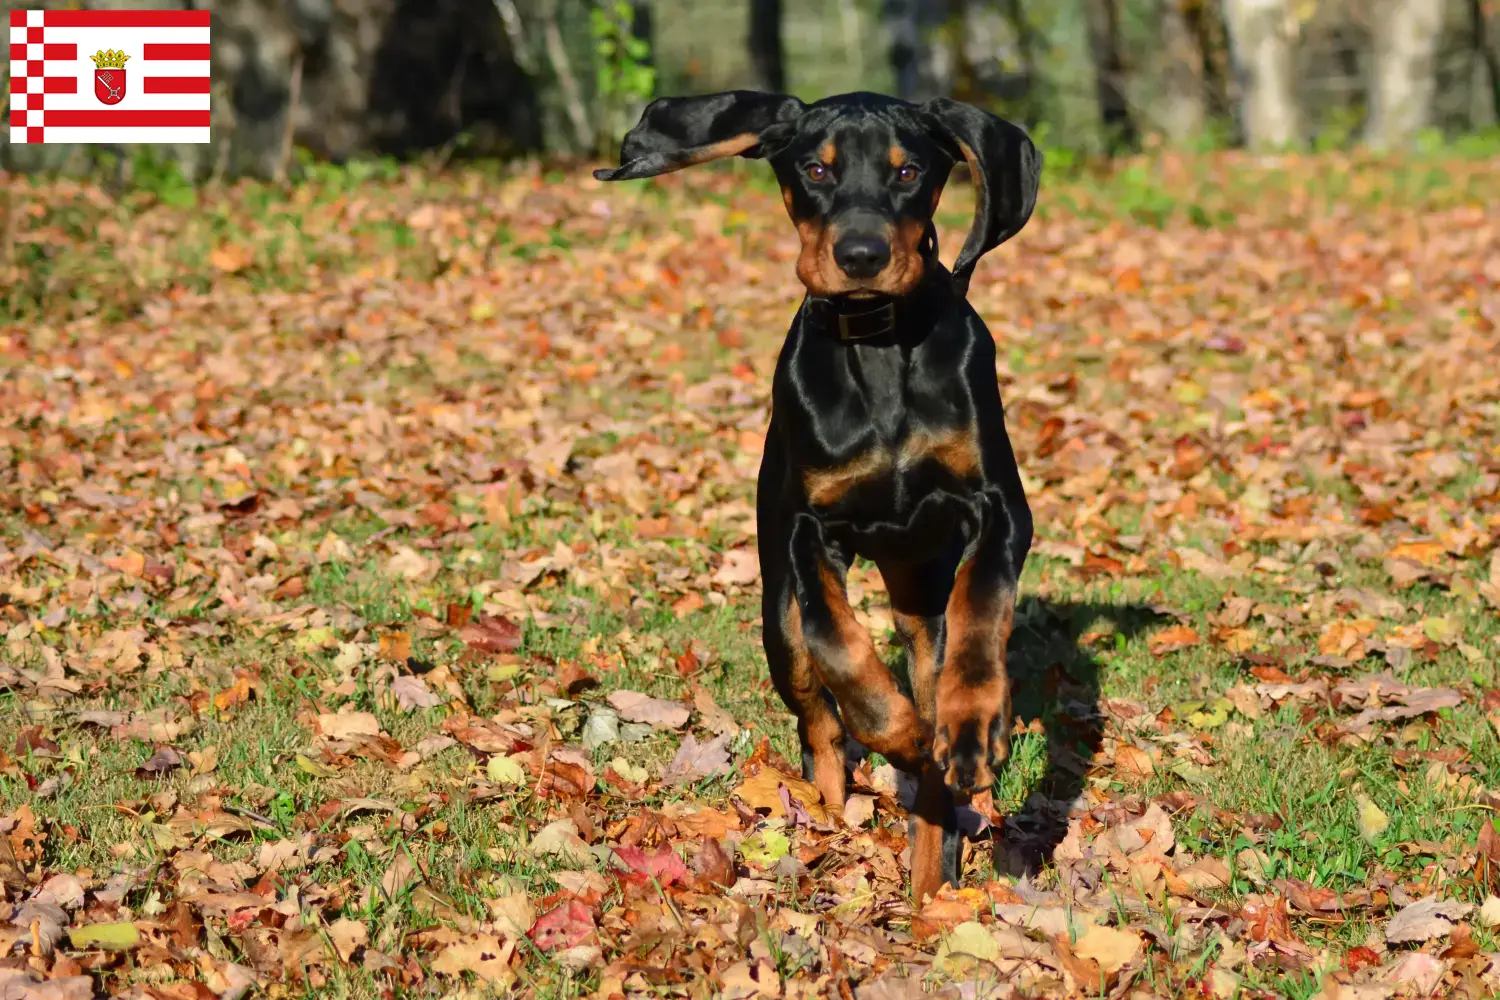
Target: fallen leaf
{"points": [[345, 724], [348, 936], [399, 875], [1172, 639], [695, 761], [633, 706], [762, 790], [664, 866], [492, 634], [740, 568], [560, 839], [714, 718], [163, 760], [858, 810], [485, 955], [565, 926], [111, 937], [411, 693], [1372, 821], [1112, 949], [1133, 763], [1424, 920]]}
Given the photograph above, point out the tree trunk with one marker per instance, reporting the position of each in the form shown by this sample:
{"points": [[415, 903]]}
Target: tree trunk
{"points": [[1404, 37], [1026, 43], [900, 18], [1184, 110], [1488, 59], [1109, 74], [1205, 20], [1260, 39], [767, 56]]}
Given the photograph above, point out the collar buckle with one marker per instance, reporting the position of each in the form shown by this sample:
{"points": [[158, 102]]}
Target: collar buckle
{"points": [[876, 322]]}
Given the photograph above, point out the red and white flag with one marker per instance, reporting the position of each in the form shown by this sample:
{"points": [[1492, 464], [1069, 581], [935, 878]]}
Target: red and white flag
{"points": [[109, 76]]}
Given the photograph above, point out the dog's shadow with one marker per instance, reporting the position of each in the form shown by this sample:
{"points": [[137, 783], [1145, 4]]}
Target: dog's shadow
{"points": [[1054, 664]]}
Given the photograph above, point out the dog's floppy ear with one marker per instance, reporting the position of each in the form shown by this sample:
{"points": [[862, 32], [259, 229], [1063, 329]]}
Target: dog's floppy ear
{"points": [[677, 132], [1006, 168]]}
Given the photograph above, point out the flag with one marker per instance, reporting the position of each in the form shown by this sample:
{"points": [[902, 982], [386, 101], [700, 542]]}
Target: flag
{"points": [[109, 76]]}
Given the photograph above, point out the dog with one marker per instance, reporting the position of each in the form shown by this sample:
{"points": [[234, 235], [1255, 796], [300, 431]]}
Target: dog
{"points": [[887, 438]]}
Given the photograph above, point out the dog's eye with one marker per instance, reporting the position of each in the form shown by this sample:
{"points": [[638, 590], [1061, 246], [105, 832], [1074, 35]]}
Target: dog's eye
{"points": [[907, 174], [817, 171]]}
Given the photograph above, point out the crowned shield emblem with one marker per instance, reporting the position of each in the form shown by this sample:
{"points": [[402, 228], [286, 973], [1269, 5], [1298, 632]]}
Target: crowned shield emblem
{"points": [[109, 75], [109, 85]]}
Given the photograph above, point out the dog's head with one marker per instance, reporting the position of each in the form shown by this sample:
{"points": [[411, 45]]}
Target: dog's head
{"points": [[861, 175]]}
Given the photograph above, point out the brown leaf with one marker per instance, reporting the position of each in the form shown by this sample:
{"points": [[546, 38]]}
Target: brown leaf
{"points": [[1424, 920], [346, 724], [714, 863], [399, 875], [348, 936], [1133, 763], [713, 718], [163, 760], [395, 646], [492, 634], [411, 693], [763, 791], [1172, 639], [695, 761], [485, 955], [1266, 919], [633, 706]]}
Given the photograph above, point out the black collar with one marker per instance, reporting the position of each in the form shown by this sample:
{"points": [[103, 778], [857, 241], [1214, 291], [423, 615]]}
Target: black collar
{"points": [[855, 320]]}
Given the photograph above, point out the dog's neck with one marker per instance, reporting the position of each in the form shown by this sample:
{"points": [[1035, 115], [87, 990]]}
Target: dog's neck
{"points": [[882, 318]]}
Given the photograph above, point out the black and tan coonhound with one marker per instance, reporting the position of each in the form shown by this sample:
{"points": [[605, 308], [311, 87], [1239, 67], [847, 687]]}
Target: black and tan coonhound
{"points": [[887, 436]]}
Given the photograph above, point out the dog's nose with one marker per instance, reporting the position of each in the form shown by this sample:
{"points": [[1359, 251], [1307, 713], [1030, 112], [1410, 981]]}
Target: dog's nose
{"points": [[862, 256]]}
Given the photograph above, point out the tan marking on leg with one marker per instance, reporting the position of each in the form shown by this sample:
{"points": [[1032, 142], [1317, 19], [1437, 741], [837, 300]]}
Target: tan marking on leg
{"points": [[923, 665], [825, 734], [875, 709], [927, 837], [828, 486], [974, 686]]}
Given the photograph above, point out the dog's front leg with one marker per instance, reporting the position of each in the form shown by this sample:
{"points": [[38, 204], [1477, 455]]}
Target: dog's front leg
{"points": [[919, 600], [874, 708], [972, 738]]}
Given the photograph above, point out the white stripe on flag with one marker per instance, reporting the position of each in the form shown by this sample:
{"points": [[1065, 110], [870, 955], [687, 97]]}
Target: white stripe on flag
{"points": [[134, 100], [118, 135]]}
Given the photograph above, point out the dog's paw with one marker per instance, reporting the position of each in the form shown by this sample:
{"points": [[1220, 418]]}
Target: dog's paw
{"points": [[970, 750]]}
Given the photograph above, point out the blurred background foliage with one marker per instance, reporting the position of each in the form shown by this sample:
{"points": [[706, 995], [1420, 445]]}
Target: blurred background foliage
{"points": [[301, 82]]}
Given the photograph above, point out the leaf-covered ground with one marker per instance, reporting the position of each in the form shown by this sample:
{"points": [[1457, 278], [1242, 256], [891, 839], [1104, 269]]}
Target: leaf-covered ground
{"points": [[380, 605]]}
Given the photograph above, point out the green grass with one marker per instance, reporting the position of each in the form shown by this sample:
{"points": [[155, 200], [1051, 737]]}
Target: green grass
{"points": [[373, 342]]}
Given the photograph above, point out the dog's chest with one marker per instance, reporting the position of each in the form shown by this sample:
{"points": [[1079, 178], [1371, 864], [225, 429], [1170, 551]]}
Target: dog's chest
{"points": [[894, 431]]}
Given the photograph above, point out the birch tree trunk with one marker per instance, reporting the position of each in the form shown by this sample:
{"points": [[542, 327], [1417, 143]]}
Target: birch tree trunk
{"points": [[1404, 36], [1261, 40]]}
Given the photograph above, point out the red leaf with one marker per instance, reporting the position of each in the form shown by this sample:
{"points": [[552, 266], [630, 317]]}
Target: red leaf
{"points": [[565, 927], [492, 634], [1360, 958], [664, 866]]}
